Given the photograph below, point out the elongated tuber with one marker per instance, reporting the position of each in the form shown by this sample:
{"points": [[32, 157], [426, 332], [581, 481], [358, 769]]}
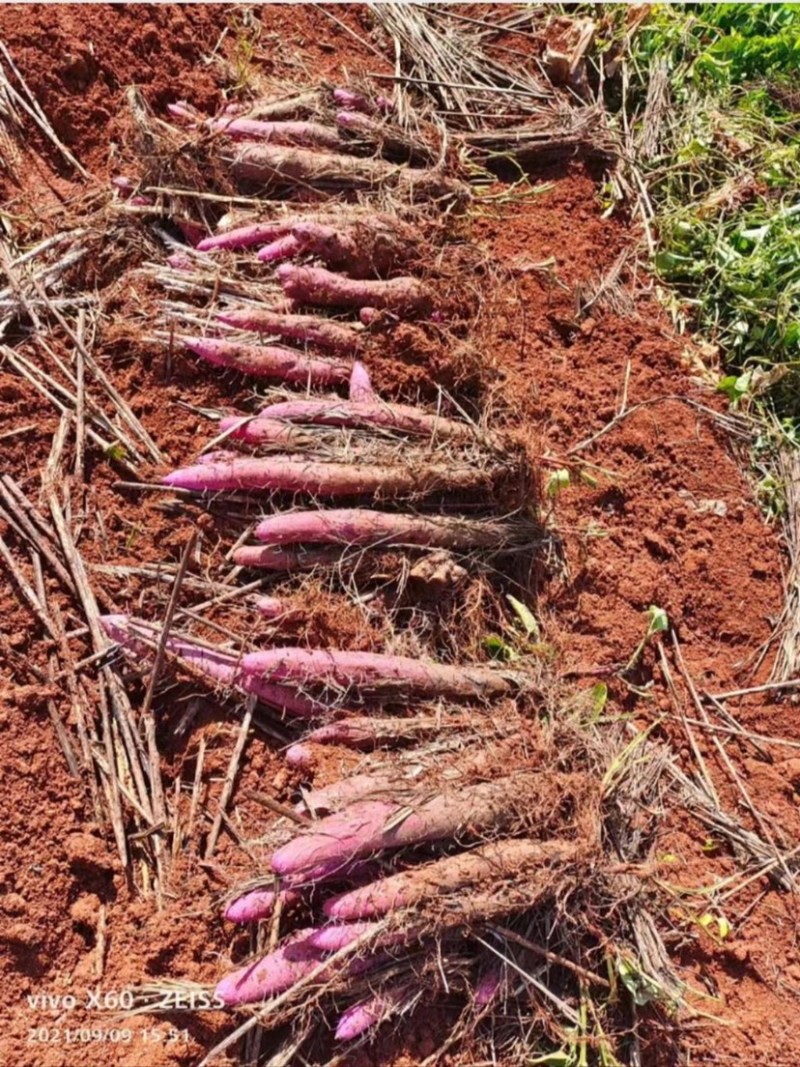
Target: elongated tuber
{"points": [[364, 527], [270, 361], [357, 414], [315, 285], [311, 329], [375, 672], [369, 826], [326, 479], [489, 864]]}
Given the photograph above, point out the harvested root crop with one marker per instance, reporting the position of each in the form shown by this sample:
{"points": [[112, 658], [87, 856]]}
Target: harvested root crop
{"points": [[377, 673], [293, 475], [364, 414], [277, 166], [364, 248], [406, 297], [366, 528], [489, 866], [309, 329], [270, 361]]}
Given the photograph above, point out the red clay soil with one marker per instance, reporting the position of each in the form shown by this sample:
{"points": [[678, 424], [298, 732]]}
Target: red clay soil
{"points": [[668, 519]]}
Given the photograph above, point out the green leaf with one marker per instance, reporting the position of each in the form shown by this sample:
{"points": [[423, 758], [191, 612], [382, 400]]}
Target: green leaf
{"points": [[642, 988], [525, 616], [498, 649], [557, 481], [115, 451], [599, 698], [561, 1058], [658, 620]]}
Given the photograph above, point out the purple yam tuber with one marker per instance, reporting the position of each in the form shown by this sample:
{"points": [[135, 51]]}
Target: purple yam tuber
{"points": [[338, 795], [255, 233], [363, 527], [258, 904], [325, 479], [282, 132], [270, 361], [360, 1018], [275, 559], [282, 248], [360, 389], [488, 864], [374, 672], [273, 974], [334, 938], [365, 733], [273, 165], [401, 418], [354, 101], [311, 329], [222, 667], [299, 757], [369, 826], [272, 607], [314, 285], [266, 431]]}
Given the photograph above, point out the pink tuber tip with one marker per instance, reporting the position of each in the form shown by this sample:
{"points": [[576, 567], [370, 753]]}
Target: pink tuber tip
{"points": [[361, 385], [300, 757], [348, 98], [283, 248], [334, 938]]}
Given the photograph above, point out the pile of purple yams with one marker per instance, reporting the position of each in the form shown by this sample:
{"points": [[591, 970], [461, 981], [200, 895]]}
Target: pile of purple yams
{"points": [[394, 870]]}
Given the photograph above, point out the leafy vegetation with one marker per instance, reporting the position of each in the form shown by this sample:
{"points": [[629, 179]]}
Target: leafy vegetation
{"points": [[710, 101]]}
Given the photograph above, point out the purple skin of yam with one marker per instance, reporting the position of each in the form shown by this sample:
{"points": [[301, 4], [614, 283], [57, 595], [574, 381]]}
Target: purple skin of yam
{"points": [[450, 875], [219, 666], [246, 236], [341, 836], [280, 970], [489, 986], [400, 417], [360, 735], [272, 607], [265, 473], [274, 559], [261, 431], [371, 669], [346, 791], [310, 329], [360, 1018], [356, 121], [258, 904], [270, 361], [315, 285], [360, 831], [361, 391], [353, 101], [217, 456], [181, 110], [283, 248], [299, 757], [289, 132], [273, 974], [334, 938], [180, 261], [362, 527]]}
